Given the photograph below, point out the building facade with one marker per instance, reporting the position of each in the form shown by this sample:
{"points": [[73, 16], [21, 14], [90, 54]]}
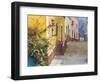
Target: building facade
{"points": [[72, 28]]}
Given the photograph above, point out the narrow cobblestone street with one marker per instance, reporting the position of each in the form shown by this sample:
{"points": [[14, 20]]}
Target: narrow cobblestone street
{"points": [[76, 53]]}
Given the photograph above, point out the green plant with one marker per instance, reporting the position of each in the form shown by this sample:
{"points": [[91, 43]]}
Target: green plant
{"points": [[37, 47]]}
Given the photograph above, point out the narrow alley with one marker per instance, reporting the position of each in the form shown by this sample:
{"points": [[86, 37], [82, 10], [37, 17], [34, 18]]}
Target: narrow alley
{"points": [[76, 53]]}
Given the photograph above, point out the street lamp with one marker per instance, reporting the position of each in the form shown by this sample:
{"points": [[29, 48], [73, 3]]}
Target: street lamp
{"points": [[53, 25]]}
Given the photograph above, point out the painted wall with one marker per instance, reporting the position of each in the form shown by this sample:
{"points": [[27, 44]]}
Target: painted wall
{"points": [[71, 25], [51, 31], [75, 27], [58, 31], [37, 23], [68, 28], [61, 27], [83, 26]]}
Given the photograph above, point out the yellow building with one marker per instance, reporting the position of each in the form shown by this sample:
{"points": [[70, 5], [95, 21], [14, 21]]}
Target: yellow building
{"points": [[56, 36], [51, 28]]}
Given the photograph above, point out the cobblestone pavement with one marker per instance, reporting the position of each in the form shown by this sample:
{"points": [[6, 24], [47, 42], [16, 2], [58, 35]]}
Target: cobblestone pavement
{"points": [[76, 53]]}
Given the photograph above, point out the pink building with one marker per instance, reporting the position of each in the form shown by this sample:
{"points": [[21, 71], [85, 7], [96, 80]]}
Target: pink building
{"points": [[74, 28]]}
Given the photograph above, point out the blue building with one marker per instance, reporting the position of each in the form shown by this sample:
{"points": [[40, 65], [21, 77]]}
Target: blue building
{"points": [[83, 27]]}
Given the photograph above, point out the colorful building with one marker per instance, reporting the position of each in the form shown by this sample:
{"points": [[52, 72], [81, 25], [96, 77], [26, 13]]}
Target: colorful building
{"points": [[56, 36], [68, 28], [71, 25], [75, 27], [83, 27]]}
